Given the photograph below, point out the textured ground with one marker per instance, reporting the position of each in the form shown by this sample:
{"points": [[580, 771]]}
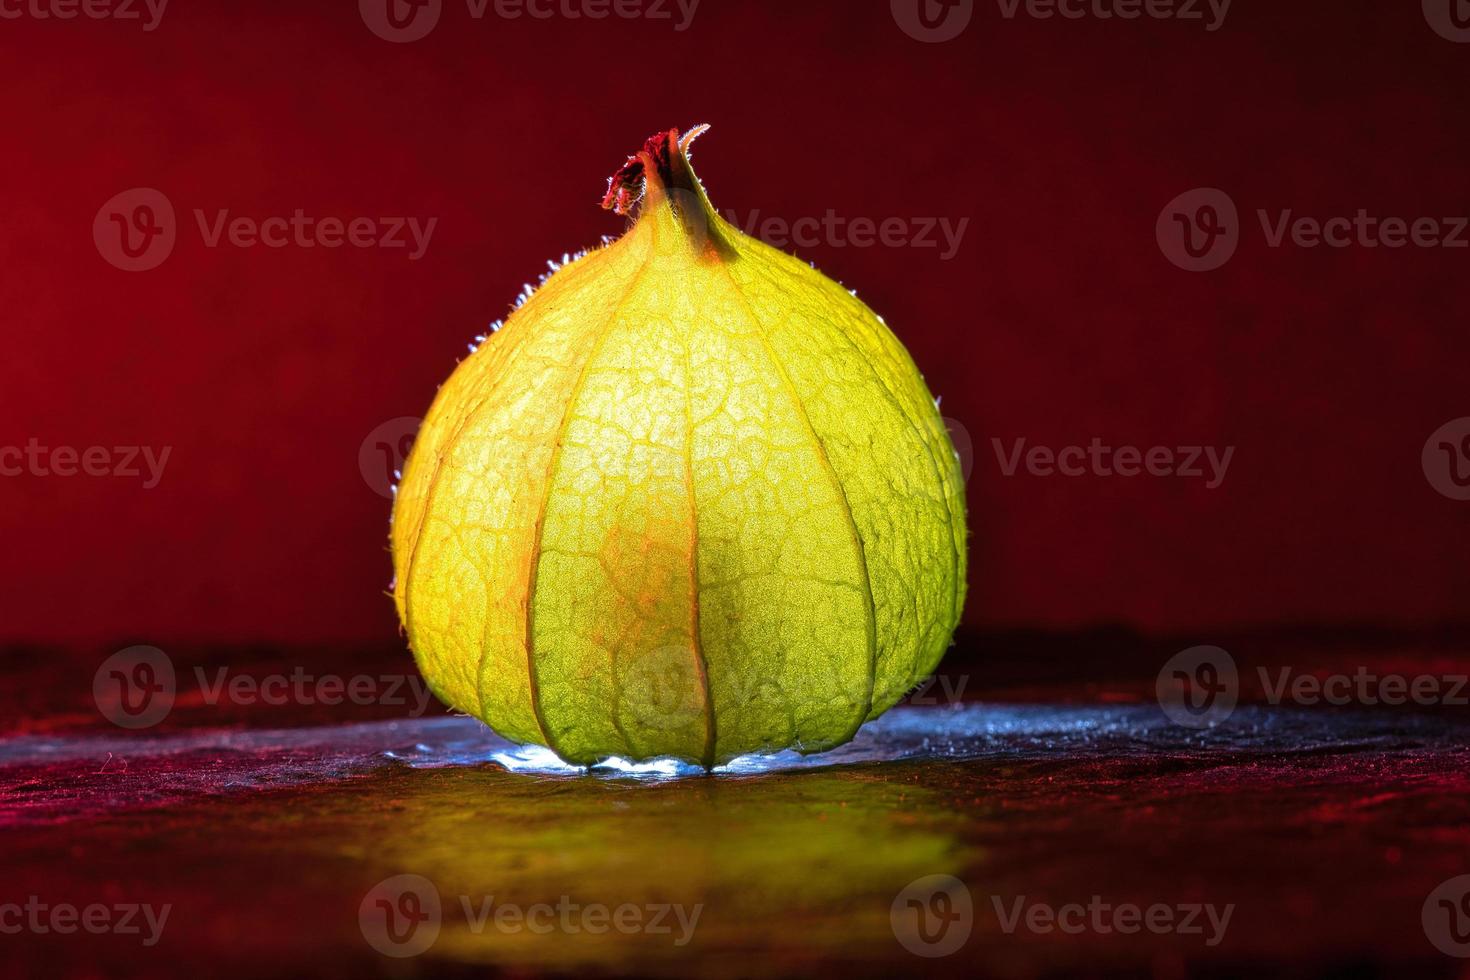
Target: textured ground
{"points": [[1325, 829]]}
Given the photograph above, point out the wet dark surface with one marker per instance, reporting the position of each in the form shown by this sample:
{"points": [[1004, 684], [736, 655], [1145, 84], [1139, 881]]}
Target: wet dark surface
{"points": [[1323, 831]]}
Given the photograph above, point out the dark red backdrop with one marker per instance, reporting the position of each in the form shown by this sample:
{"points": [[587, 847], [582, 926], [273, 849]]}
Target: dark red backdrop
{"points": [[1059, 319]]}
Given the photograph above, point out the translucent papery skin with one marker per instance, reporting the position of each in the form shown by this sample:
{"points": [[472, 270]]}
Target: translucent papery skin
{"points": [[693, 500]]}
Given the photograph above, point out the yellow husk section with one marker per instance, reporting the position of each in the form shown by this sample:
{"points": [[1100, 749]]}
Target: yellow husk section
{"points": [[693, 500]]}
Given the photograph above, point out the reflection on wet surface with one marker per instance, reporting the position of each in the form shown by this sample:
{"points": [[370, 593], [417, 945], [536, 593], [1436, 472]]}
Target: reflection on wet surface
{"points": [[1324, 830]]}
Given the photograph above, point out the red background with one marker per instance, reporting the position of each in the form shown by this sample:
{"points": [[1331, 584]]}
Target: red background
{"points": [[1058, 321]]}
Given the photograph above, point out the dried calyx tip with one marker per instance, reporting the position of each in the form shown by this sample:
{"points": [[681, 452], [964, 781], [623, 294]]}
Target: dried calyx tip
{"points": [[664, 156]]}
